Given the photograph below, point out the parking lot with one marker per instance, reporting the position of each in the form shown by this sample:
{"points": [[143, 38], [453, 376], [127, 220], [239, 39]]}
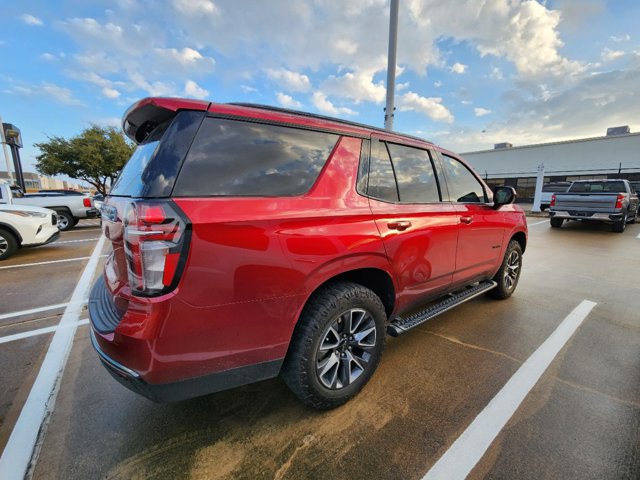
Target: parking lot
{"points": [[580, 419]]}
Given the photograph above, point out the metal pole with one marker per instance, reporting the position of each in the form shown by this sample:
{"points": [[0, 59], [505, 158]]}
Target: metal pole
{"points": [[17, 165], [6, 149], [391, 65]]}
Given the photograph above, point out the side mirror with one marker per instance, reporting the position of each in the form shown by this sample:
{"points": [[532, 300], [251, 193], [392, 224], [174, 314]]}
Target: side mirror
{"points": [[504, 196]]}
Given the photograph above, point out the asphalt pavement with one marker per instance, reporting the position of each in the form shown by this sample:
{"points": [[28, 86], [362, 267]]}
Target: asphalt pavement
{"points": [[580, 419]]}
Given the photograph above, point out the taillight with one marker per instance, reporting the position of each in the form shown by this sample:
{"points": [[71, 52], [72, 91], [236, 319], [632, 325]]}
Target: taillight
{"points": [[86, 201], [619, 200], [553, 200], [155, 241]]}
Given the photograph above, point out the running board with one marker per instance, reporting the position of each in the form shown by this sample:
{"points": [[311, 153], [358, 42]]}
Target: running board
{"points": [[400, 325]]}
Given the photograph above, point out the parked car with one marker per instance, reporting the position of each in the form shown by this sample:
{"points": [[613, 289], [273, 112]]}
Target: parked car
{"points": [[70, 209], [548, 189], [98, 200], [635, 186], [251, 241], [610, 201], [63, 191], [22, 226]]}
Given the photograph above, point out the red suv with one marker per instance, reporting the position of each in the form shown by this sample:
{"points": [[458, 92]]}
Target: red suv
{"points": [[251, 241]]}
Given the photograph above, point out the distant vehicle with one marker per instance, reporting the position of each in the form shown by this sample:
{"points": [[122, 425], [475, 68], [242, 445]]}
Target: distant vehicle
{"points": [[24, 226], [98, 200], [70, 209], [610, 201], [635, 186], [548, 189], [63, 192]]}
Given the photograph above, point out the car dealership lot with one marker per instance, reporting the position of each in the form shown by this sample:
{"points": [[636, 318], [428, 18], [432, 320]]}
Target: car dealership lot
{"points": [[580, 420]]}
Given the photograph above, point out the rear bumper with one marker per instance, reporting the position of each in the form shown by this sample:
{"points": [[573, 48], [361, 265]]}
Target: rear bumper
{"points": [[189, 388], [93, 213], [592, 216], [166, 367]]}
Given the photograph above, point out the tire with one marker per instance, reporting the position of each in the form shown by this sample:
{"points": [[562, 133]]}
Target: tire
{"points": [[8, 244], [556, 222], [324, 367], [75, 221], [619, 226], [65, 221], [635, 216], [509, 272]]}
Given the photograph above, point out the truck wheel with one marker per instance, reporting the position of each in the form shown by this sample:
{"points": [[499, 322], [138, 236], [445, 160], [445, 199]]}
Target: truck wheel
{"points": [[509, 272], [8, 244], [556, 222], [635, 216], [620, 225], [65, 221], [336, 345], [75, 221]]}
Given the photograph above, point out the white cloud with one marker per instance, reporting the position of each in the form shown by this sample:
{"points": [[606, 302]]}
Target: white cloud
{"points": [[481, 112], [458, 68], [289, 80], [187, 57], [49, 57], [192, 89], [356, 86], [196, 7], [320, 101], [496, 74], [287, 101], [609, 55], [31, 20], [60, 94], [622, 38], [431, 107], [110, 92], [437, 84]]}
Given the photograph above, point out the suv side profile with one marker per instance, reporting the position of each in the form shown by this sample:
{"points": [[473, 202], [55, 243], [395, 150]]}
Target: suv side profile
{"points": [[251, 242]]}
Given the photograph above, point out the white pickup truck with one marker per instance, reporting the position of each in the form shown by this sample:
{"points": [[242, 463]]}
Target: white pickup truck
{"points": [[70, 209]]}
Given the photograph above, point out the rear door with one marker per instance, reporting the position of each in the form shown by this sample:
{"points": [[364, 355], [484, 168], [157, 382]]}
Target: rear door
{"points": [[418, 230], [482, 228]]}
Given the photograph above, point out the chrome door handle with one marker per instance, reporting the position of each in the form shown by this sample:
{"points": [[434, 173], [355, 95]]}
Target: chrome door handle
{"points": [[466, 220]]}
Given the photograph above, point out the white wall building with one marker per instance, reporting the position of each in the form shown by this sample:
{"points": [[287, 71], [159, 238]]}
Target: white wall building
{"points": [[612, 156]]}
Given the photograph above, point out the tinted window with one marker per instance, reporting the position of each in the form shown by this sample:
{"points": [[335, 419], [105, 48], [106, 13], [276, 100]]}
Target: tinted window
{"points": [[598, 187], [363, 168], [234, 158], [463, 186], [414, 173], [555, 187], [382, 180]]}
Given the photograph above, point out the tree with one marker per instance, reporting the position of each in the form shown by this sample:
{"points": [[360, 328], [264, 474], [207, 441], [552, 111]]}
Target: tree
{"points": [[96, 156]]}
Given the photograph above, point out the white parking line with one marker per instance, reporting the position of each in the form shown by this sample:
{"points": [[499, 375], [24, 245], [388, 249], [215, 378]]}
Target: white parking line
{"points": [[20, 451], [40, 331], [32, 310], [537, 223], [468, 449], [76, 241], [77, 259]]}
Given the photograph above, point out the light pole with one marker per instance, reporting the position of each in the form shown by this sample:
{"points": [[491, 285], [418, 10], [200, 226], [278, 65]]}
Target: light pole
{"points": [[11, 136], [391, 65]]}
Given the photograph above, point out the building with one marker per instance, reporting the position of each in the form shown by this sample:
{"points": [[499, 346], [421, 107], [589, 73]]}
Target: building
{"points": [[35, 182], [616, 155]]}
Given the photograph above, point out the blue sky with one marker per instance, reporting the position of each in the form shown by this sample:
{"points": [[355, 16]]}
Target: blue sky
{"points": [[470, 73]]}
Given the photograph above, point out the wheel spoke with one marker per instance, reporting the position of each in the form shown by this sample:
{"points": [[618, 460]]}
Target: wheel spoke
{"points": [[362, 335], [331, 340], [328, 370]]}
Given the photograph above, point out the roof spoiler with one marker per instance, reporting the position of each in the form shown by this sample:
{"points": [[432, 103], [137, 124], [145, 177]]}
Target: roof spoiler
{"points": [[143, 116]]}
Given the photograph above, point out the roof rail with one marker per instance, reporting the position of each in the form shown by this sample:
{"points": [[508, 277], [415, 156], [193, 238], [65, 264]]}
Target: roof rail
{"points": [[324, 117]]}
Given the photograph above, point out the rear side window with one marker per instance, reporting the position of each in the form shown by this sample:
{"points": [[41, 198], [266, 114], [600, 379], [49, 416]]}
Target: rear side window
{"points": [[382, 180], [463, 186], [414, 172], [598, 187], [236, 158]]}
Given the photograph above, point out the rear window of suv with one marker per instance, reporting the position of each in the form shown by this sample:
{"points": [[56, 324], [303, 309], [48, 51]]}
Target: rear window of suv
{"points": [[238, 158], [598, 187]]}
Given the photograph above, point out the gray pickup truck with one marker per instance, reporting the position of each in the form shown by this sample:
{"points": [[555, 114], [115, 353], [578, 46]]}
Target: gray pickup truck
{"points": [[610, 201], [70, 209]]}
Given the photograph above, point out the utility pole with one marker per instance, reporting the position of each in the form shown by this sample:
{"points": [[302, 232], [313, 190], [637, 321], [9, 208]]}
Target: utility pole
{"points": [[391, 65], [538, 192], [6, 150]]}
